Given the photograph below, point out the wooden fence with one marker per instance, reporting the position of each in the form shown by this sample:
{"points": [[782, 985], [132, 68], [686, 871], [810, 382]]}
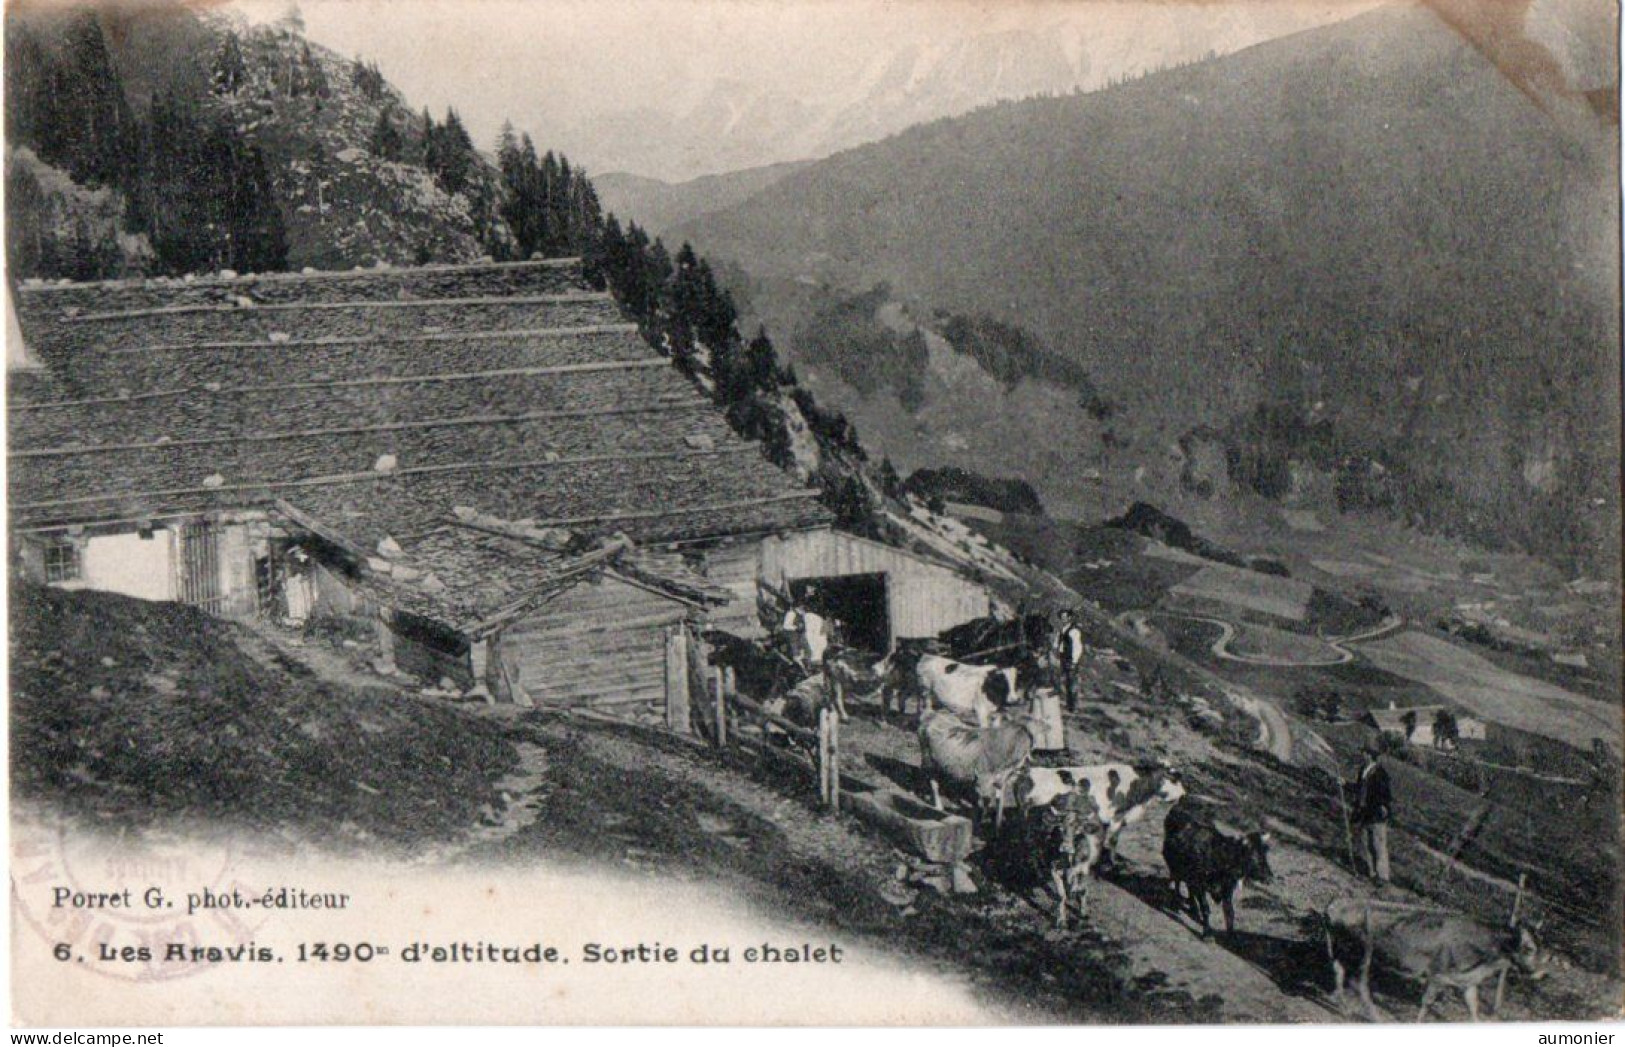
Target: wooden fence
{"points": [[818, 751]]}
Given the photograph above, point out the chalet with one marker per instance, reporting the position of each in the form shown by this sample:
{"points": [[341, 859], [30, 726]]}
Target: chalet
{"points": [[482, 465]]}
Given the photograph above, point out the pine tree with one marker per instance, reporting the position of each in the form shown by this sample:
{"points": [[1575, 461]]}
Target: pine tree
{"points": [[386, 142], [208, 199], [762, 363], [86, 126], [292, 22], [27, 246], [256, 230], [890, 483], [454, 155], [687, 305], [230, 71], [177, 201], [314, 77], [431, 144], [368, 80]]}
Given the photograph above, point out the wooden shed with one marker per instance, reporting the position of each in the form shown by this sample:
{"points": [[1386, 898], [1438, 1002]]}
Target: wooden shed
{"points": [[605, 641]]}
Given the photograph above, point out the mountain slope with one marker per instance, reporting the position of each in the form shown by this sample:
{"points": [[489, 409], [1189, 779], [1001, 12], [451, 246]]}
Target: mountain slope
{"points": [[1367, 224], [905, 65], [657, 206], [304, 119]]}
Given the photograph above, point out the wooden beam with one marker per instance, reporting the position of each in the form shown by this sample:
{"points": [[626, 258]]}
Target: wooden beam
{"points": [[345, 478], [400, 303], [790, 727], [679, 719], [647, 621], [380, 339], [507, 530], [321, 530], [523, 604], [596, 366], [326, 275], [660, 406], [113, 526], [651, 514], [392, 303], [654, 582]]}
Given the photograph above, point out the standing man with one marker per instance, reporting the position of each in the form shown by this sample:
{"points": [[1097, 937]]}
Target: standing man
{"points": [[1069, 651], [1373, 808]]}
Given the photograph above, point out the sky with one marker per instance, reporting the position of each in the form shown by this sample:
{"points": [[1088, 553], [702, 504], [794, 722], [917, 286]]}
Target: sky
{"points": [[550, 65]]}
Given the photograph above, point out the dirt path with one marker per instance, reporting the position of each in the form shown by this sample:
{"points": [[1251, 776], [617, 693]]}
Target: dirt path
{"points": [[612, 795], [627, 797]]}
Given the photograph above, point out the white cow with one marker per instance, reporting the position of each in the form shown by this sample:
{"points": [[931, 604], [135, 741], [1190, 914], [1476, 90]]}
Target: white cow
{"points": [[809, 635], [975, 693], [1121, 793]]}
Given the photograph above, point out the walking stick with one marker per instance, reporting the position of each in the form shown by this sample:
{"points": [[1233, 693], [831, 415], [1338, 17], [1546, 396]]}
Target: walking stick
{"points": [[1348, 828], [1517, 899]]}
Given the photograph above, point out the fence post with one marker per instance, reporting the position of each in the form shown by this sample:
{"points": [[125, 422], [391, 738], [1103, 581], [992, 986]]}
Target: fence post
{"points": [[719, 689], [834, 760], [823, 756]]}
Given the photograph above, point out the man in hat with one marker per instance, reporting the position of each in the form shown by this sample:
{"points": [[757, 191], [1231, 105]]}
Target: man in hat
{"points": [[1069, 652], [1373, 803]]}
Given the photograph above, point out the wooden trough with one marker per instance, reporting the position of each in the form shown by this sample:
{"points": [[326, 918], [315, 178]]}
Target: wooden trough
{"points": [[916, 827]]}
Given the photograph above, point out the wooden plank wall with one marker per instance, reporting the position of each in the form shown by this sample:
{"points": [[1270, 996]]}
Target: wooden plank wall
{"points": [[602, 642], [923, 598], [736, 567]]}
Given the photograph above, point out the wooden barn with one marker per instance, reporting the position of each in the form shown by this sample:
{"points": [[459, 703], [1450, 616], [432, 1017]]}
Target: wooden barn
{"points": [[879, 592], [481, 468]]}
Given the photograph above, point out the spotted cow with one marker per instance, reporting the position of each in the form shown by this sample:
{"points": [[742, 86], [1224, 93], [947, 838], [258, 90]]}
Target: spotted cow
{"points": [[1121, 793]]}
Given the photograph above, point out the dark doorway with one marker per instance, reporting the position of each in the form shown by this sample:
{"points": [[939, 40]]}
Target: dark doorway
{"points": [[856, 601]]}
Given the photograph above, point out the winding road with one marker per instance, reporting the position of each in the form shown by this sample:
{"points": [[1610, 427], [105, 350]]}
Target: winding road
{"points": [[1275, 730], [1135, 620]]}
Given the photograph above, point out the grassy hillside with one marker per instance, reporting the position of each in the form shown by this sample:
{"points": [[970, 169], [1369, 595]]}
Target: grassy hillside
{"points": [[128, 712], [1366, 226]]}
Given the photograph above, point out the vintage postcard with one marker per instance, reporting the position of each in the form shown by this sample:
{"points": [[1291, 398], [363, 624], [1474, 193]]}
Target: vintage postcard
{"points": [[547, 512]]}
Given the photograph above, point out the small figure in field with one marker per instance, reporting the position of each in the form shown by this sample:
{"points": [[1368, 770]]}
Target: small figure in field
{"points": [[1373, 808], [1069, 653]]}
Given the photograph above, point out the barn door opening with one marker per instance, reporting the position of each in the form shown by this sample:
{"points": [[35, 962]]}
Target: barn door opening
{"points": [[199, 567], [856, 601]]}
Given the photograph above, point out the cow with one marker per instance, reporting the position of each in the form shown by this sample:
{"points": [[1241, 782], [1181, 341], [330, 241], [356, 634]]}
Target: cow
{"points": [[808, 634], [1122, 793], [1072, 847], [761, 673], [857, 673], [1022, 640], [1210, 863], [802, 703], [985, 758], [899, 673], [975, 693], [1437, 949]]}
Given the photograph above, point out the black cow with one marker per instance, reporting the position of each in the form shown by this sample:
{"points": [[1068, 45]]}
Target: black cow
{"points": [[761, 673], [1210, 863], [1020, 643]]}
